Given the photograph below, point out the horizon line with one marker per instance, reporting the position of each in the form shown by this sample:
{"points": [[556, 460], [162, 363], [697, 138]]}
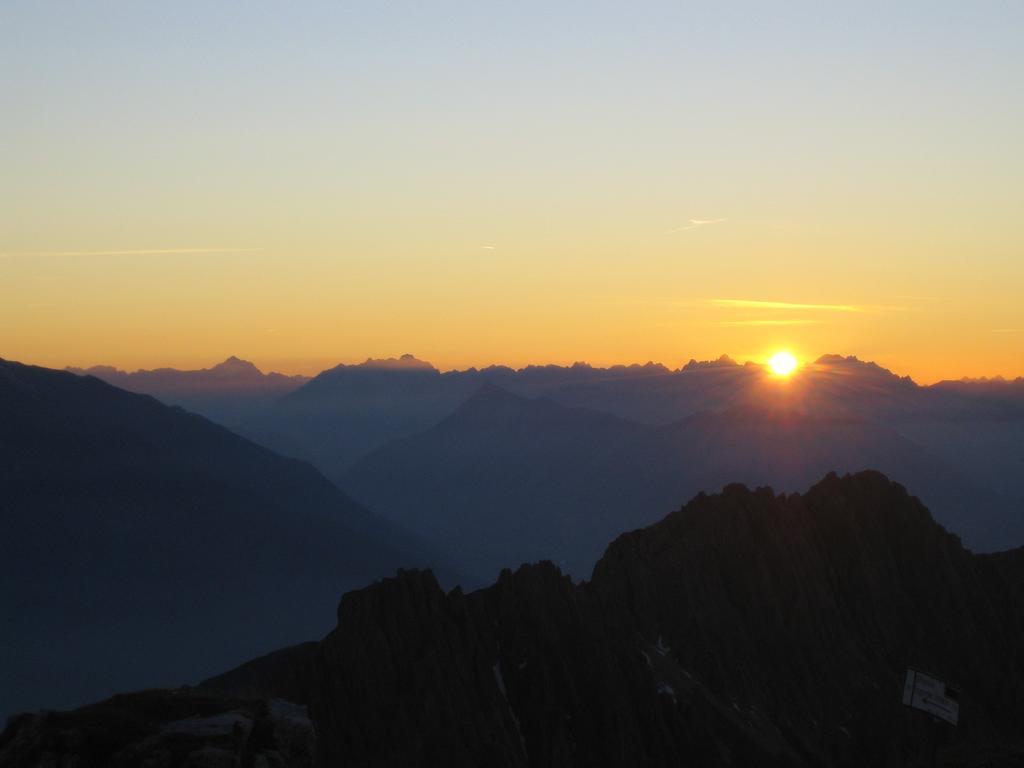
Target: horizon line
{"points": [[311, 373]]}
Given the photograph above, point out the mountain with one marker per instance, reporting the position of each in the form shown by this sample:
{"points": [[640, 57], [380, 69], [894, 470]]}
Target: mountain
{"points": [[229, 392], [142, 545], [747, 628], [1010, 390], [507, 479], [343, 413], [346, 412]]}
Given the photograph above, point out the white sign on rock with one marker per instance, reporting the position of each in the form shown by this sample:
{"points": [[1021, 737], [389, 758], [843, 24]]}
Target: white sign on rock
{"points": [[931, 695]]}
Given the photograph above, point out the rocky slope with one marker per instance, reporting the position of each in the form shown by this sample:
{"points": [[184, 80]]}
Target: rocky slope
{"points": [[748, 628], [169, 729]]}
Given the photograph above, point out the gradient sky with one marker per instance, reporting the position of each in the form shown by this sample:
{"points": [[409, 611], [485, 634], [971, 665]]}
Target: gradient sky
{"points": [[307, 183]]}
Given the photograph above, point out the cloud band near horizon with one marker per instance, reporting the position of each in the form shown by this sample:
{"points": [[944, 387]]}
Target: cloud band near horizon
{"points": [[784, 305]]}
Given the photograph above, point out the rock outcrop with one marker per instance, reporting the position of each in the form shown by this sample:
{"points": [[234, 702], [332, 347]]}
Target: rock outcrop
{"points": [[164, 729], [748, 628]]}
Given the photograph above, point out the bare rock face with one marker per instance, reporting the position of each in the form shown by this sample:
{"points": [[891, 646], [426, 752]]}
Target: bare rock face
{"points": [[746, 629], [164, 729], [528, 672], [809, 608]]}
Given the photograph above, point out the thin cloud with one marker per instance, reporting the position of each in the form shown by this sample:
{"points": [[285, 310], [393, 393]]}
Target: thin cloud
{"points": [[132, 252], [755, 304], [488, 247], [766, 322], [693, 224]]}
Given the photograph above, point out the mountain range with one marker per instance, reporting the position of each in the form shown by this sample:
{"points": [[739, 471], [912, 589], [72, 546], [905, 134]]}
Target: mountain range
{"points": [[227, 392], [746, 628], [507, 479], [144, 545], [345, 412], [443, 454]]}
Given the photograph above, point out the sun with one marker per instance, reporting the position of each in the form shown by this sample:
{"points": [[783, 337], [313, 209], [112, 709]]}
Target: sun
{"points": [[782, 363]]}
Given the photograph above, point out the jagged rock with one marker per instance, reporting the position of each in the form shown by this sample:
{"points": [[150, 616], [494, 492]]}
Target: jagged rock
{"points": [[163, 729], [748, 628]]}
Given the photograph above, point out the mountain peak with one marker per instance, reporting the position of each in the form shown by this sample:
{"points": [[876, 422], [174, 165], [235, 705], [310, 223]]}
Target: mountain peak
{"points": [[235, 366], [745, 601], [406, 362], [852, 363], [722, 362], [490, 397]]}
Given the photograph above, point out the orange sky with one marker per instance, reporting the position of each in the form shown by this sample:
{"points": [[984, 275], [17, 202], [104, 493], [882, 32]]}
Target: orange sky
{"points": [[513, 185]]}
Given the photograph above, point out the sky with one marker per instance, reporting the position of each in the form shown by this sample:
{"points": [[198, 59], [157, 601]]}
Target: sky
{"points": [[310, 183]]}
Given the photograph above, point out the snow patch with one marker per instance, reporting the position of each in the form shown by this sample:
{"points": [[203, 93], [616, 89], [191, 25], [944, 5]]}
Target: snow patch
{"points": [[662, 648], [500, 680]]}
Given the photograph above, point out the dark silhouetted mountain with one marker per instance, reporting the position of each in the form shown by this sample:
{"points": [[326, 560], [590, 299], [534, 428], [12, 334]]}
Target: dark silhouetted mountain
{"points": [[746, 629], [507, 479], [346, 412], [349, 410], [406, 362], [972, 431], [141, 544], [1012, 389], [229, 392]]}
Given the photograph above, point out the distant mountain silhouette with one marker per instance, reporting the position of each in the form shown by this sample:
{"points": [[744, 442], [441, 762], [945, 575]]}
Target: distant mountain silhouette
{"points": [[347, 411], [507, 479], [344, 413], [404, 363], [973, 429], [143, 545], [228, 392], [748, 628]]}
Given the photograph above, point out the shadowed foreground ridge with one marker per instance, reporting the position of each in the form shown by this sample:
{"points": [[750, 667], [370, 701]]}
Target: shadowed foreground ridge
{"points": [[745, 629]]}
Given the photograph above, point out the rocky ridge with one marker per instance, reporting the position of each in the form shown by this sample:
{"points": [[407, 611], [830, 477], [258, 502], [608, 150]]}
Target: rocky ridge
{"points": [[748, 628]]}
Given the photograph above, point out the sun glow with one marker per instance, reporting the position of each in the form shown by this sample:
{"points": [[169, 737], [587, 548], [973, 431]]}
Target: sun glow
{"points": [[782, 363]]}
